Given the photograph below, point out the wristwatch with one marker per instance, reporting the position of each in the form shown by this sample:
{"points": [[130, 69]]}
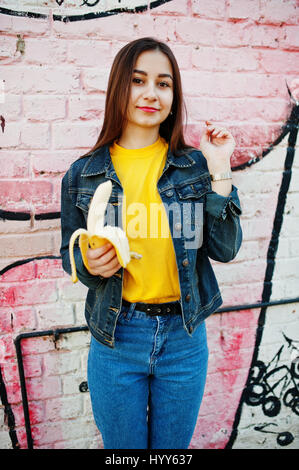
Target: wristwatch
{"points": [[221, 176]]}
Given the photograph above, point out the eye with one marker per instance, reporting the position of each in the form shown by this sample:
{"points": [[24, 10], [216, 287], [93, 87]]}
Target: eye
{"points": [[164, 84], [137, 80]]}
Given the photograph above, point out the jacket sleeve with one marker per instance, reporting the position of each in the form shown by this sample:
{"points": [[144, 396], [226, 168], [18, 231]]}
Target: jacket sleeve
{"points": [[72, 219], [223, 232]]}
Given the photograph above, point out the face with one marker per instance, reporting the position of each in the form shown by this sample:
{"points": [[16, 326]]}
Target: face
{"points": [[151, 93]]}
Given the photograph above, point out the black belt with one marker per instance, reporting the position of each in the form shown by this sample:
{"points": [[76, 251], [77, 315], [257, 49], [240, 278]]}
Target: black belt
{"points": [[170, 308]]}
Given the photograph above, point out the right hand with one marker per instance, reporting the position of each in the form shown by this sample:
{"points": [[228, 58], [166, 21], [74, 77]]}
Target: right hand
{"points": [[102, 261]]}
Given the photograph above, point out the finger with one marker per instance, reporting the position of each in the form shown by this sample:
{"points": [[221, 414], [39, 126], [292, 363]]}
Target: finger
{"points": [[219, 134], [94, 253], [111, 267], [107, 257]]}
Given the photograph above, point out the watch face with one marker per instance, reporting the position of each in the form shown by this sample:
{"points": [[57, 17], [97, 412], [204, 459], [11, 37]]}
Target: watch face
{"points": [[74, 10]]}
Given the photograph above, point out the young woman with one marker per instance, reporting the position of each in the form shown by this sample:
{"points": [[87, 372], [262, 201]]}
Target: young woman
{"points": [[148, 356]]}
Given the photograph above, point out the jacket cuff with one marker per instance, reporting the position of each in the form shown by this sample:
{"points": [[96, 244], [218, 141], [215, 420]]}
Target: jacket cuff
{"points": [[218, 206]]}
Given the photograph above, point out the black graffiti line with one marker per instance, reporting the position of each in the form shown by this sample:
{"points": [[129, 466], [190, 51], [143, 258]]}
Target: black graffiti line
{"points": [[14, 215], [25, 261], [86, 16], [272, 249], [8, 413]]}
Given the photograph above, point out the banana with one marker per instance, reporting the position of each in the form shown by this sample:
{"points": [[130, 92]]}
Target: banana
{"points": [[97, 234]]}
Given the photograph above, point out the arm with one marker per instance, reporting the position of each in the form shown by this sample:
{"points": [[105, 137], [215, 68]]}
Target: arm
{"points": [[223, 233]]}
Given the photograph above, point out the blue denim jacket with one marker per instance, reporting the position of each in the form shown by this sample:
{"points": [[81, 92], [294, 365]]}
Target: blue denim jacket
{"points": [[185, 180]]}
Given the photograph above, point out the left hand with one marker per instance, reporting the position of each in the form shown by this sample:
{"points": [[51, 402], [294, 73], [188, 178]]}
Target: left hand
{"points": [[217, 144]]}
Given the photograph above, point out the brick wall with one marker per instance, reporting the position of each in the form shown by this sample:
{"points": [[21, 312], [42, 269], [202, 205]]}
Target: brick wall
{"points": [[235, 58]]}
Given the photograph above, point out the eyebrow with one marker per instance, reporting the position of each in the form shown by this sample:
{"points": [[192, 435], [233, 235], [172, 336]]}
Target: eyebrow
{"points": [[160, 74]]}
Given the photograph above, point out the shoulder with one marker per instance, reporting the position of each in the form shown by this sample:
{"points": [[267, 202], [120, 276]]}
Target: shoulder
{"points": [[75, 170], [85, 165]]}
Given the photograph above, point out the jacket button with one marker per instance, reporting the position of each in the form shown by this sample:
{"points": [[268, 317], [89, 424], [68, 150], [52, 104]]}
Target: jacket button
{"points": [[185, 262], [178, 226], [169, 193], [188, 297]]}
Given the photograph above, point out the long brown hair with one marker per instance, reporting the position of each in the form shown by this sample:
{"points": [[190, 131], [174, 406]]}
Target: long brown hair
{"points": [[118, 93]]}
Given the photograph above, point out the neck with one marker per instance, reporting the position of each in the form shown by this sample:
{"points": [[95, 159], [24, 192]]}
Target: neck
{"points": [[138, 137]]}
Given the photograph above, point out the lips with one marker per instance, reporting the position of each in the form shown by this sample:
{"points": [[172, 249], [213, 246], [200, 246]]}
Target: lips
{"points": [[147, 109]]}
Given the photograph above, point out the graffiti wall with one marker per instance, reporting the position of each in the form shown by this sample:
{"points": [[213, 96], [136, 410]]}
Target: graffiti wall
{"points": [[239, 64]]}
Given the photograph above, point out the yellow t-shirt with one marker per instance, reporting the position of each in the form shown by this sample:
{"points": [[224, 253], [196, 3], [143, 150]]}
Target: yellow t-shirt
{"points": [[154, 277]]}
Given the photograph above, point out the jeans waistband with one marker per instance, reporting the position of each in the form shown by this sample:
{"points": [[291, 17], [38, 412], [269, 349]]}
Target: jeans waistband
{"points": [[168, 308]]}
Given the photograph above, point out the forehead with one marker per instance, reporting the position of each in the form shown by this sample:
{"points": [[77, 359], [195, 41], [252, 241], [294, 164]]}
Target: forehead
{"points": [[153, 61]]}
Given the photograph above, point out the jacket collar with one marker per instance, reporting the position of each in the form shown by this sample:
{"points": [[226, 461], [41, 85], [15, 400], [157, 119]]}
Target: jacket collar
{"points": [[100, 161]]}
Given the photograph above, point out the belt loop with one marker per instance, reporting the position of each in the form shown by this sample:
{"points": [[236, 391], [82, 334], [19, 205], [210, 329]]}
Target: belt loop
{"points": [[130, 311]]}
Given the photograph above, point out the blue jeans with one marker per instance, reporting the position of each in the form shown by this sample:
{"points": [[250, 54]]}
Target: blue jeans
{"points": [[146, 392]]}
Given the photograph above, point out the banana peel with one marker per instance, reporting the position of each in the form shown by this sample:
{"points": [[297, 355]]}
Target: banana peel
{"points": [[97, 234]]}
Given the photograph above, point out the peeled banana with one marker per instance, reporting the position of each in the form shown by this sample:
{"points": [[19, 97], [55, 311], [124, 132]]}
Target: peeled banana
{"points": [[97, 234]]}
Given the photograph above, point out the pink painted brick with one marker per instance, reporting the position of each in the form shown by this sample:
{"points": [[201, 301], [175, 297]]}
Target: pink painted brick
{"points": [[30, 293], [182, 55], [208, 58], [11, 136], [242, 34], [16, 164], [39, 192], [89, 52], [23, 319], [48, 268], [173, 8], [19, 273], [5, 321], [197, 31], [74, 135], [53, 51], [290, 38], [40, 388], [243, 109], [279, 11], [35, 135], [48, 163], [95, 79], [36, 415], [8, 53], [44, 108], [32, 79], [46, 433], [31, 26], [114, 27], [242, 9], [7, 296], [6, 23], [13, 391], [33, 366], [57, 80], [231, 85], [210, 9], [38, 345], [86, 107], [7, 349], [27, 244], [11, 108], [275, 61]]}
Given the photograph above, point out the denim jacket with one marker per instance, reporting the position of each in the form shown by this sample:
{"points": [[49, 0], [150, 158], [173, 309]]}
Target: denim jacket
{"points": [[184, 180]]}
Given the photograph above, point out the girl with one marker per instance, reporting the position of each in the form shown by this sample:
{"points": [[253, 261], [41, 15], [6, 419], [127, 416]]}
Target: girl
{"points": [[148, 355]]}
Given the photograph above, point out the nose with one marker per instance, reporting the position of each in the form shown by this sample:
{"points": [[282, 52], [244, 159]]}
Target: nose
{"points": [[150, 92]]}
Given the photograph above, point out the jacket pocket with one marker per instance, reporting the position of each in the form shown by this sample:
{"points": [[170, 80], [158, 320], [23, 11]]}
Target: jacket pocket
{"points": [[193, 190]]}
